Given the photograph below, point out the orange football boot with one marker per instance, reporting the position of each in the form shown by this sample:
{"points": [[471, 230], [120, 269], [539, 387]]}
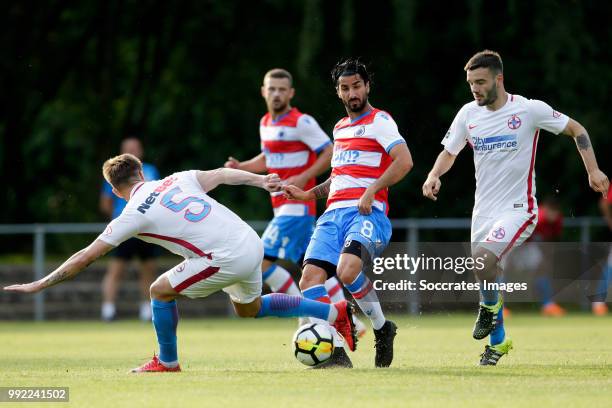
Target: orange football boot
{"points": [[599, 308], [553, 310], [155, 366]]}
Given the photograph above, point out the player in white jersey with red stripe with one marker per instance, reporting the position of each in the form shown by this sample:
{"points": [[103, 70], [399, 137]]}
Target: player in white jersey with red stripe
{"points": [[369, 156], [294, 146], [221, 251], [502, 129]]}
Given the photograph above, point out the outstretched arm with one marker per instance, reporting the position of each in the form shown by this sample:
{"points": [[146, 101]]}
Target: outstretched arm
{"points": [[443, 163], [597, 179], [320, 191], [75, 264], [211, 179], [255, 165]]}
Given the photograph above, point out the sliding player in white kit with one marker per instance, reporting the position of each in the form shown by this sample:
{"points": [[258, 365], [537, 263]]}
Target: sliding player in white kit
{"points": [[221, 251], [502, 129]]}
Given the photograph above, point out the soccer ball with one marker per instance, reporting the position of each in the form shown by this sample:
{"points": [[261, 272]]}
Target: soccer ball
{"points": [[314, 344]]}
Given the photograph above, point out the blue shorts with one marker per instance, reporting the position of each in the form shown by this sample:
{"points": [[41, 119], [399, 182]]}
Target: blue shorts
{"points": [[337, 227], [287, 236]]}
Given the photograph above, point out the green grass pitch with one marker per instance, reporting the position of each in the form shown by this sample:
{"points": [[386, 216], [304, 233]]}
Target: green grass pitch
{"points": [[248, 363]]}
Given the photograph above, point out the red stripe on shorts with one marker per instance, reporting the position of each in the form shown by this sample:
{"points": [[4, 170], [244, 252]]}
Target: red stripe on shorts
{"points": [[518, 234], [206, 273]]}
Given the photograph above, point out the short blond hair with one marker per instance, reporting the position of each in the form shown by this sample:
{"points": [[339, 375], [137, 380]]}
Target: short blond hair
{"points": [[279, 73], [122, 170]]}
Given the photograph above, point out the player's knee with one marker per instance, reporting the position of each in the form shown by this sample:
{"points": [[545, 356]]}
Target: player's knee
{"points": [[161, 290], [154, 290], [311, 276], [489, 262], [350, 263], [348, 271]]}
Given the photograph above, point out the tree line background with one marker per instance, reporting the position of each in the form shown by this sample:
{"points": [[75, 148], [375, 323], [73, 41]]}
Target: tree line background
{"points": [[78, 76]]}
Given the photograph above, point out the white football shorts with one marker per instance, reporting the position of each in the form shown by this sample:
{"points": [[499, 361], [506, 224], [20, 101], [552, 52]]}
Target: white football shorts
{"points": [[502, 233], [238, 275]]}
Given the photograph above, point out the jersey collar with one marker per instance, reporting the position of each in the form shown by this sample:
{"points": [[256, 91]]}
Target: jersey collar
{"points": [[363, 115], [135, 188]]}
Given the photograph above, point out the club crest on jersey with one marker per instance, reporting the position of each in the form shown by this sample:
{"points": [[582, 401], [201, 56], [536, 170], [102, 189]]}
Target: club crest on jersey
{"points": [[180, 268], [514, 122], [281, 133], [499, 233], [360, 131]]}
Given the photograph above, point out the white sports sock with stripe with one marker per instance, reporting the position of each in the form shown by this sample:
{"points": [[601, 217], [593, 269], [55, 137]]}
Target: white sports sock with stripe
{"points": [[334, 289], [281, 281]]}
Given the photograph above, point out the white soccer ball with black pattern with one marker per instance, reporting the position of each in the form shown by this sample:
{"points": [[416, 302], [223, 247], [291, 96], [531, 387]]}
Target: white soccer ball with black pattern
{"points": [[314, 344]]}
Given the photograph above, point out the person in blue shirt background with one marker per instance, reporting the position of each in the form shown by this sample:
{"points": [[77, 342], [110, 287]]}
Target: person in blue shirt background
{"points": [[112, 206]]}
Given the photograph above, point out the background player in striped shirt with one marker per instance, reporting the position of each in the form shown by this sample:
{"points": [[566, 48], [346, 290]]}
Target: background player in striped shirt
{"points": [[294, 146], [369, 156], [502, 129]]}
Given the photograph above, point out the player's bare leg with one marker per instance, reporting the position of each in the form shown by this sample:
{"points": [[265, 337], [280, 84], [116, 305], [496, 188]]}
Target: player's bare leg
{"points": [[110, 287], [359, 285], [165, 321], [147, 272]]}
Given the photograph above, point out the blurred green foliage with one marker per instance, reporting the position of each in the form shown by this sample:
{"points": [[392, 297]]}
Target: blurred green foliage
{"points": [[77, 77]]}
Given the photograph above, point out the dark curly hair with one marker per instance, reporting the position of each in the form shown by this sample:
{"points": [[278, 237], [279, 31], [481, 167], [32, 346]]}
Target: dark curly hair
{"points": [[350, 66]]}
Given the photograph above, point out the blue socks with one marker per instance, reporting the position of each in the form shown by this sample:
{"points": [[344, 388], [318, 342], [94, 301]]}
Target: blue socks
{"points": [[281, 305], [544, 287], [499, 333], [165, 320], [318, 293], [489, 297], [602, 285]]}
